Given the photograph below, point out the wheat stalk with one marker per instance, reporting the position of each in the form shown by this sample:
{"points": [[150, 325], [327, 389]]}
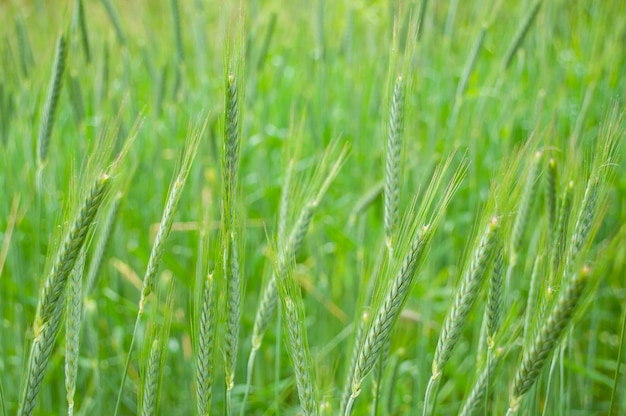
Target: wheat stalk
{"points": [[52, 298]]}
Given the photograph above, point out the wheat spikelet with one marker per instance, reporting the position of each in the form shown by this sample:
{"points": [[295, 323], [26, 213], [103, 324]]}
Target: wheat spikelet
{"points": [[392, 162], [51, 300], [537, 354], [52, 101]]}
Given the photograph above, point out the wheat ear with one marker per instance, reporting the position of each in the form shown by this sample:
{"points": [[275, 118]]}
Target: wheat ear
{"points": [[465, 297], [392, 163], [525, 207], [151, 381], [234, 289], [387, 313], [361, 326], [51, 300], [464, 300], [230, 170], [73, 317], [584, 222], [521, 34], [560, 233], [269, 295], [295, 329], [52, 101], [467, 72], [102, 243], [551, 197], [531, 302], [476, 398], [178, 36], [115, 20], [205, 348], [536, 356], [82, 27], [258, 330]]}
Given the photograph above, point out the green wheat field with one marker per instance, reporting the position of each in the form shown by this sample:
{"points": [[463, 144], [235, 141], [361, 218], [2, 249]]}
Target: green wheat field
{"points": [[279, 207]]}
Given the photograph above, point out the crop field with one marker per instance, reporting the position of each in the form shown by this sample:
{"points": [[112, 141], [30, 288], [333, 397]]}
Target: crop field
{"points": [[279, 207]]}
